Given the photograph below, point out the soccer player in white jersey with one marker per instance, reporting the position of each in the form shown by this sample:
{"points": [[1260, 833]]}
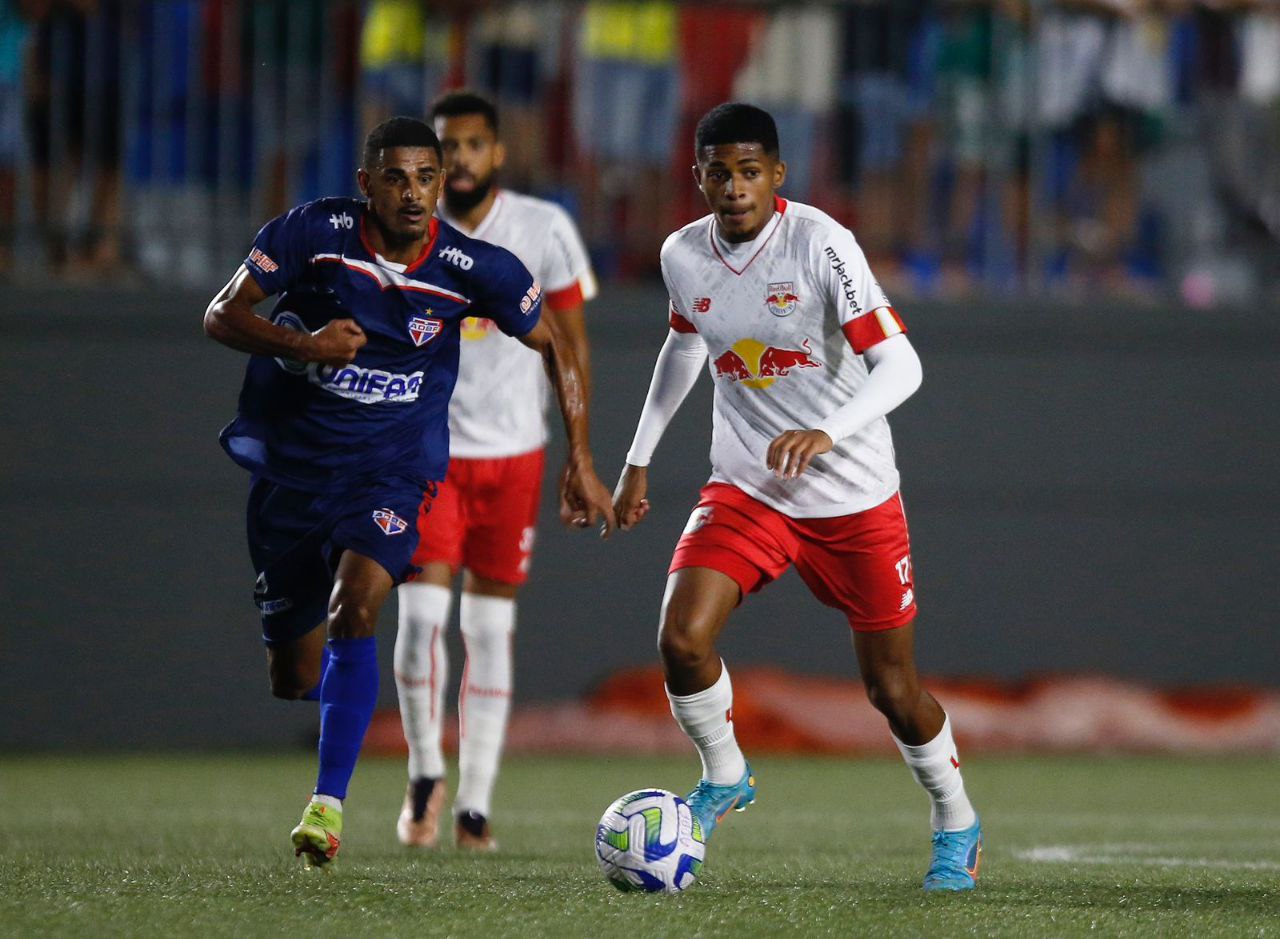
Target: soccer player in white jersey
{"points": [[807, 357], [482, 520]]}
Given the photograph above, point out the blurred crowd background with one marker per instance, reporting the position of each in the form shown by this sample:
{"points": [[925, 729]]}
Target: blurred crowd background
{"points": [[1063, 147]]}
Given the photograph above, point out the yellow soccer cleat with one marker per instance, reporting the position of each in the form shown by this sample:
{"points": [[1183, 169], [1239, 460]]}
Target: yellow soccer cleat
{"points": [[319, 834]]}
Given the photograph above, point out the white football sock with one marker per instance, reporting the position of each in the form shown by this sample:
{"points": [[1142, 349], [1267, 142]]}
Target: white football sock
{"points": [[936, 766], [422, 671], [485, 698], [707, 718]]}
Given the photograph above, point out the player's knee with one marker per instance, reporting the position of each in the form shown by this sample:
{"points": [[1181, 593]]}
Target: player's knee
{"points": [[893, 692], [351, 619], [683, 645], [290, 683]]}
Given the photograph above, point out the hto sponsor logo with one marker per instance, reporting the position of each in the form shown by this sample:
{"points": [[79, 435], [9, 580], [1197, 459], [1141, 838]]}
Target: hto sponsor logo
{"points": [[846, 282], [342, 221], [757, 365], [781, 299], [422, 329], [454, 255], [389, 522]]}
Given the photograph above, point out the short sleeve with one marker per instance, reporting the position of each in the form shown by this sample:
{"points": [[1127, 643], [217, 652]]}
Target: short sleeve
{"points": [[280, 251], [567, 276], [863, 309], [506, 293]]}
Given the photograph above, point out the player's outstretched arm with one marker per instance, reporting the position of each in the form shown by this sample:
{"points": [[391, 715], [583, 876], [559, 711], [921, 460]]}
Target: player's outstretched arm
{"points": [[583, 498], [895, 375], [230, 320], [571, 322], [679, 363]]}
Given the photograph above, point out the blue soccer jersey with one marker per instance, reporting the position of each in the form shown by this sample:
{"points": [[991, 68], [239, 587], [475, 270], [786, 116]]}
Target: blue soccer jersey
{"points": [[318, 427]]}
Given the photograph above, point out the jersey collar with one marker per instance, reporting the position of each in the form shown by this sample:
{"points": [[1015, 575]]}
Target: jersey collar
{"points": [[728, 256], [433, 232]]}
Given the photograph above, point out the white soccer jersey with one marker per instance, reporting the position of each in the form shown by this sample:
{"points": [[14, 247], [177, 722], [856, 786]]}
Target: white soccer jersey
{"points": [[785, 319], [499, 404]]}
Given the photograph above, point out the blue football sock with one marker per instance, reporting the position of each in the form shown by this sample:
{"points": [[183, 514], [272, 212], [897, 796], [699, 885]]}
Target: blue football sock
{"points": [[314, 693], [347, 698]]}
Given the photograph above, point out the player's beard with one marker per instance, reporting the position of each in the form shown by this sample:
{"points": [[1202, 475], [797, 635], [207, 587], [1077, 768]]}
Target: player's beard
{"points": [[460, 203]]}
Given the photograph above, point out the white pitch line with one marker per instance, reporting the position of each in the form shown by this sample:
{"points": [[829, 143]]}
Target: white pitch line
{"points": [[1097, 854], [1186, 822]]}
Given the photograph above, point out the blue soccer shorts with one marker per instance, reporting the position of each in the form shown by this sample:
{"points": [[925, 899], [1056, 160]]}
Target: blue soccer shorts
{"points": [[296, 539]]}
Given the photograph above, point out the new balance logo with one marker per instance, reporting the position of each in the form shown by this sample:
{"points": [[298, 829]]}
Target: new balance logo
{"points": [[907, 599], [702, 305], [454, 256]]}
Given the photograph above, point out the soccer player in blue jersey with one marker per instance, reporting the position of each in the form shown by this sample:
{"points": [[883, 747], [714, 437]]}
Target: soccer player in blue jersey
{"points": [[343, 422]]}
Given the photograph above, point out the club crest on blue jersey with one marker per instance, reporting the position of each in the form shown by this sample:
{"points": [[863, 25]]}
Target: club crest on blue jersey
{"points": [[781, 299], [422, 329], [389, 521]]}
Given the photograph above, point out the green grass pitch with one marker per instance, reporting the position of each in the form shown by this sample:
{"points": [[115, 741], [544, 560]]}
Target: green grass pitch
{"points": [[198, 845]]}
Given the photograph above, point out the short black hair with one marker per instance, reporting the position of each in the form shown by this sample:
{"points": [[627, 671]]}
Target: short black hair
{"points": [[462, 102], [400, 132], [735, 122]]}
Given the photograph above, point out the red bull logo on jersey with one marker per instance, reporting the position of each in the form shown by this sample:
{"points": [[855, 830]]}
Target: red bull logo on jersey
{"points": [[476, 327], [781, 299], [389, 522], [422, 329], [757, 365]]}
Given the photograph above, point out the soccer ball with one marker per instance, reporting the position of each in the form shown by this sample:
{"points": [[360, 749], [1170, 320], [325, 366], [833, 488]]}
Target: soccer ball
{"points": [[650, 840]]}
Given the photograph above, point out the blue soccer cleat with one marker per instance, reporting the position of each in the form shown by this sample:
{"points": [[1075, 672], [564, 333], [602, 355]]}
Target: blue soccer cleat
{"points": [[711, 802], [956, 857]]}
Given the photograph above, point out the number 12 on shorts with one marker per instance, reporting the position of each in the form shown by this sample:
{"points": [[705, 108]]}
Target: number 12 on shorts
{"points": [[903, 567]]}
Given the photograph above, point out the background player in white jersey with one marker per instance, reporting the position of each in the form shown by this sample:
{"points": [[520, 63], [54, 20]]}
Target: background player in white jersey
{"points": [[482, 520], [807, 357]]}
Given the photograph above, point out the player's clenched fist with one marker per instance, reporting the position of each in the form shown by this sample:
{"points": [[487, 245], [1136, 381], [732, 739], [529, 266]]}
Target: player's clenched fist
{"points": [[584, 500], [337, 342], [629, 502], [792, 450]]}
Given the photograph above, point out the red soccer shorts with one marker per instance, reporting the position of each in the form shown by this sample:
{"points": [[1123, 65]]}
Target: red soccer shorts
{"points": [[483, 517], [859, 564]]}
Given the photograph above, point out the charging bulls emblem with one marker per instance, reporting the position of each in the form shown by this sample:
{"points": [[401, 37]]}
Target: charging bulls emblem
{"points": [[389, 521], [781, 298], [757, 365]]}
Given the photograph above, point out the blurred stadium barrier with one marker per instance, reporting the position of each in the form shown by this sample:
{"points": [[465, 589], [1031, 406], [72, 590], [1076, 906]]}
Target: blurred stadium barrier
{"points": [[783, 712]]}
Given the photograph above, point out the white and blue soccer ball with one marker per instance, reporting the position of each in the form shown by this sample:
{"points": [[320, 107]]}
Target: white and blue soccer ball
{"points": [[650, 840]]}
